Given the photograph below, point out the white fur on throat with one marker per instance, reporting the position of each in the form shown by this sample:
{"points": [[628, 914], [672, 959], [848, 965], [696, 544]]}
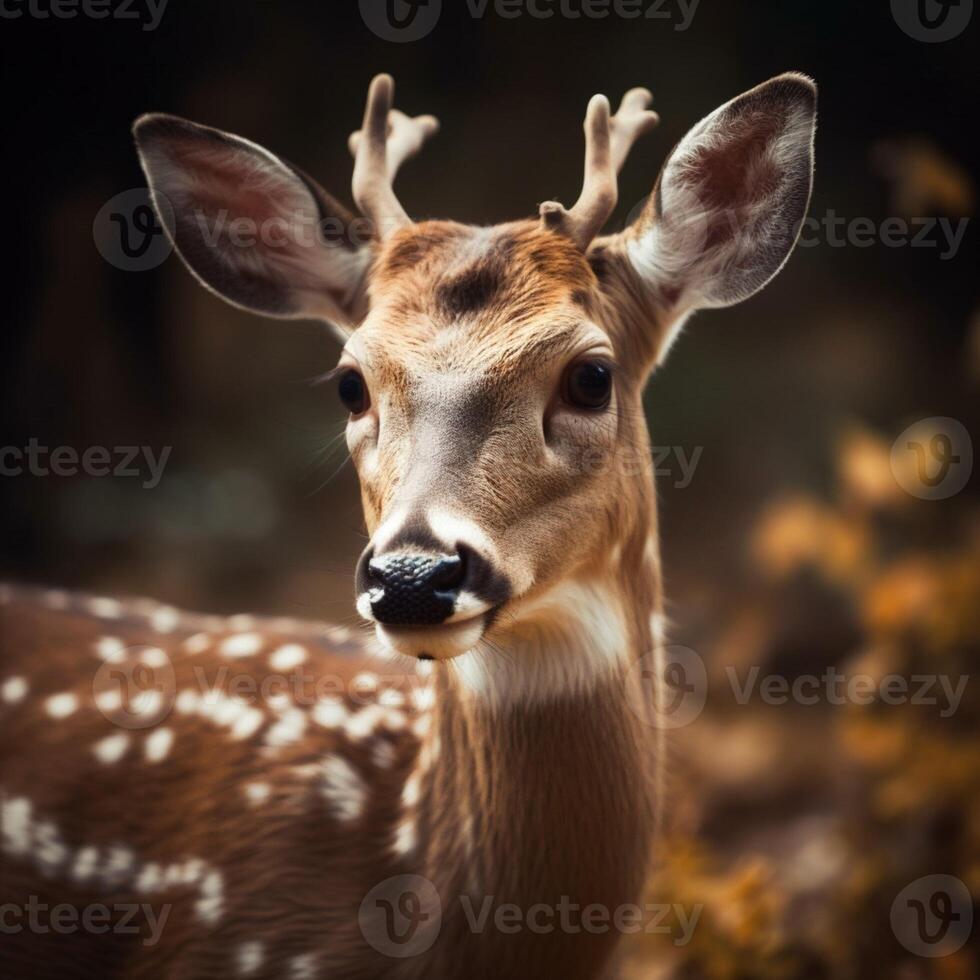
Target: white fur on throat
{"points": [[562, 644]]}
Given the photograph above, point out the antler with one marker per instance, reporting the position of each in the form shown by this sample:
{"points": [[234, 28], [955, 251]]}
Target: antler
{"points": [[385, 141], [608, 142]]}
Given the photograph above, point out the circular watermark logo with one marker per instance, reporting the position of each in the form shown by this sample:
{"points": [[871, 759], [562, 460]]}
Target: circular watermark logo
{"points": [[402, 916], [401, 21], [668, 690], [128, 232], [933, 458], [136, 691], [933, 916], [932, 21]]}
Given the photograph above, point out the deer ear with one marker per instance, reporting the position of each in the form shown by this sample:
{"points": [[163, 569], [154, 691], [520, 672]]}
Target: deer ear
{"points": [[730, 201], [252, 228]]}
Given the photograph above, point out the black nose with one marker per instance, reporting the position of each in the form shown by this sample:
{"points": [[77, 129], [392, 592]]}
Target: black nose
{"points": [[414, 589]]}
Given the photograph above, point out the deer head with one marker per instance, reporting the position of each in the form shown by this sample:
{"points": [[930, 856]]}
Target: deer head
{"points": [[493, 376]]}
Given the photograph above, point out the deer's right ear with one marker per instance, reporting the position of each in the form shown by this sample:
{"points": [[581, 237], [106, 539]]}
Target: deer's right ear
{"points": [[252, 228]]}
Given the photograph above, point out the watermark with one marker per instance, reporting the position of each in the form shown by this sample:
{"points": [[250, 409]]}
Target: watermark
{"points": [[933, 916], [836, 231], [64, 919], [679, 12], [125, 462], [402, 916], [695, 223], [148, 13], [134, 687], [128, 232], [835, 688], [933, 458], [401, 21], [411, 20], [932, 21], [667, 689]]}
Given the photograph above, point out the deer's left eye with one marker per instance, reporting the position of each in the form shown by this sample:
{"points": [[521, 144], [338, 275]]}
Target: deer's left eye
{"points": [[588, 384], [353, 392]]}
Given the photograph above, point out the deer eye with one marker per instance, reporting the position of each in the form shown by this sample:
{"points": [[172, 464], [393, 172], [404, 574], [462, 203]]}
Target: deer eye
{"points": [[353, 392], [588, 384]]}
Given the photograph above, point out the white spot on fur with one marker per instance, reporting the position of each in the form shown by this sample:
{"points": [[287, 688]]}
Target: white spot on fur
{"points": [[247, 724], [86, 862], [61, 705], [110, 649], [211, 904], [364, 684], [288, 729], [383, 755], [112, 748], [197, 643], [257, 793], [187, 701], [16, 825], [329, 714], [406, 837], [411, 792], [391, 698], [241, 645], [364, 722], [154, 657], [109, 701], [148, 702], [249, 958], [151, 879], [158, 744], [343, 788], [302, 967], [287, 657], [241, 621], [165, 619], [105, 608], [14, 690], [119, 867], [50, 849]]}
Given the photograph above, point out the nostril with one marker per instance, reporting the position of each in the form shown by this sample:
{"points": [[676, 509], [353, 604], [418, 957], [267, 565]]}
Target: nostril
{"points": [[449, 574], [413, 589]]}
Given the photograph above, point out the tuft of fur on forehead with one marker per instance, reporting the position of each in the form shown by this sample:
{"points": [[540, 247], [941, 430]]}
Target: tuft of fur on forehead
{"points": [[446, 274]]}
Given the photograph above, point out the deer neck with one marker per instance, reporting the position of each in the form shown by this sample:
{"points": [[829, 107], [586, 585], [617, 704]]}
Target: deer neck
{"points": [[535, 780]]}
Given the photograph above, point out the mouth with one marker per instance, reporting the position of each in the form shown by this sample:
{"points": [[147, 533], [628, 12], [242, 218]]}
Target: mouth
{"points": [[443, 641]]}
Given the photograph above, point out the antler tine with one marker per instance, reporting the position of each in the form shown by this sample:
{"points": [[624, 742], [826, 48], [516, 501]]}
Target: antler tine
{"points": [[608, 142], [386, 139]]}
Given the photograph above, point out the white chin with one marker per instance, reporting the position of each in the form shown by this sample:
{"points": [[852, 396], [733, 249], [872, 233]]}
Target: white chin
{"points": [[440, 642]]}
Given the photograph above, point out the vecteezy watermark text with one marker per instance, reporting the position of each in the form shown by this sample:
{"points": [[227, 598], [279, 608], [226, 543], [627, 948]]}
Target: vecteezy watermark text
{"points": [[99, 461], [149, 13], [64, 919]]}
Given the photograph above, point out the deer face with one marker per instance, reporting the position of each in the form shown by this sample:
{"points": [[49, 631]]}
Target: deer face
{"points": [[493, 377], [489, 405]]}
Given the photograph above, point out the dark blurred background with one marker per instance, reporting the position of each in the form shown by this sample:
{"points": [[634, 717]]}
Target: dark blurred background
{"points": [[794, 545]]}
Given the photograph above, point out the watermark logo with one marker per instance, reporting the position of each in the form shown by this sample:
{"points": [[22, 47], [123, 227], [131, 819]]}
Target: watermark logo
{"points": [[668, 689], [933, 458], [402, 916], [128, 233], [401, 21], [135, 687], [933, 916], [932, 21], [148, 13]]}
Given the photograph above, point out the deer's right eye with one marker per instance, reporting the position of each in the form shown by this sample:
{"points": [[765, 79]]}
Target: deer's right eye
{"points": [[353, 392]]}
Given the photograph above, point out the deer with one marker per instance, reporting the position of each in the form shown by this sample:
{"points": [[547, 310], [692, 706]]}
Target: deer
{"points": [[495, 733]]}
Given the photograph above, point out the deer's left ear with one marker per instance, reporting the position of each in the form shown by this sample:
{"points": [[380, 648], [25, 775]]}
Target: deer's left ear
{"points": [[728, 207]]}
